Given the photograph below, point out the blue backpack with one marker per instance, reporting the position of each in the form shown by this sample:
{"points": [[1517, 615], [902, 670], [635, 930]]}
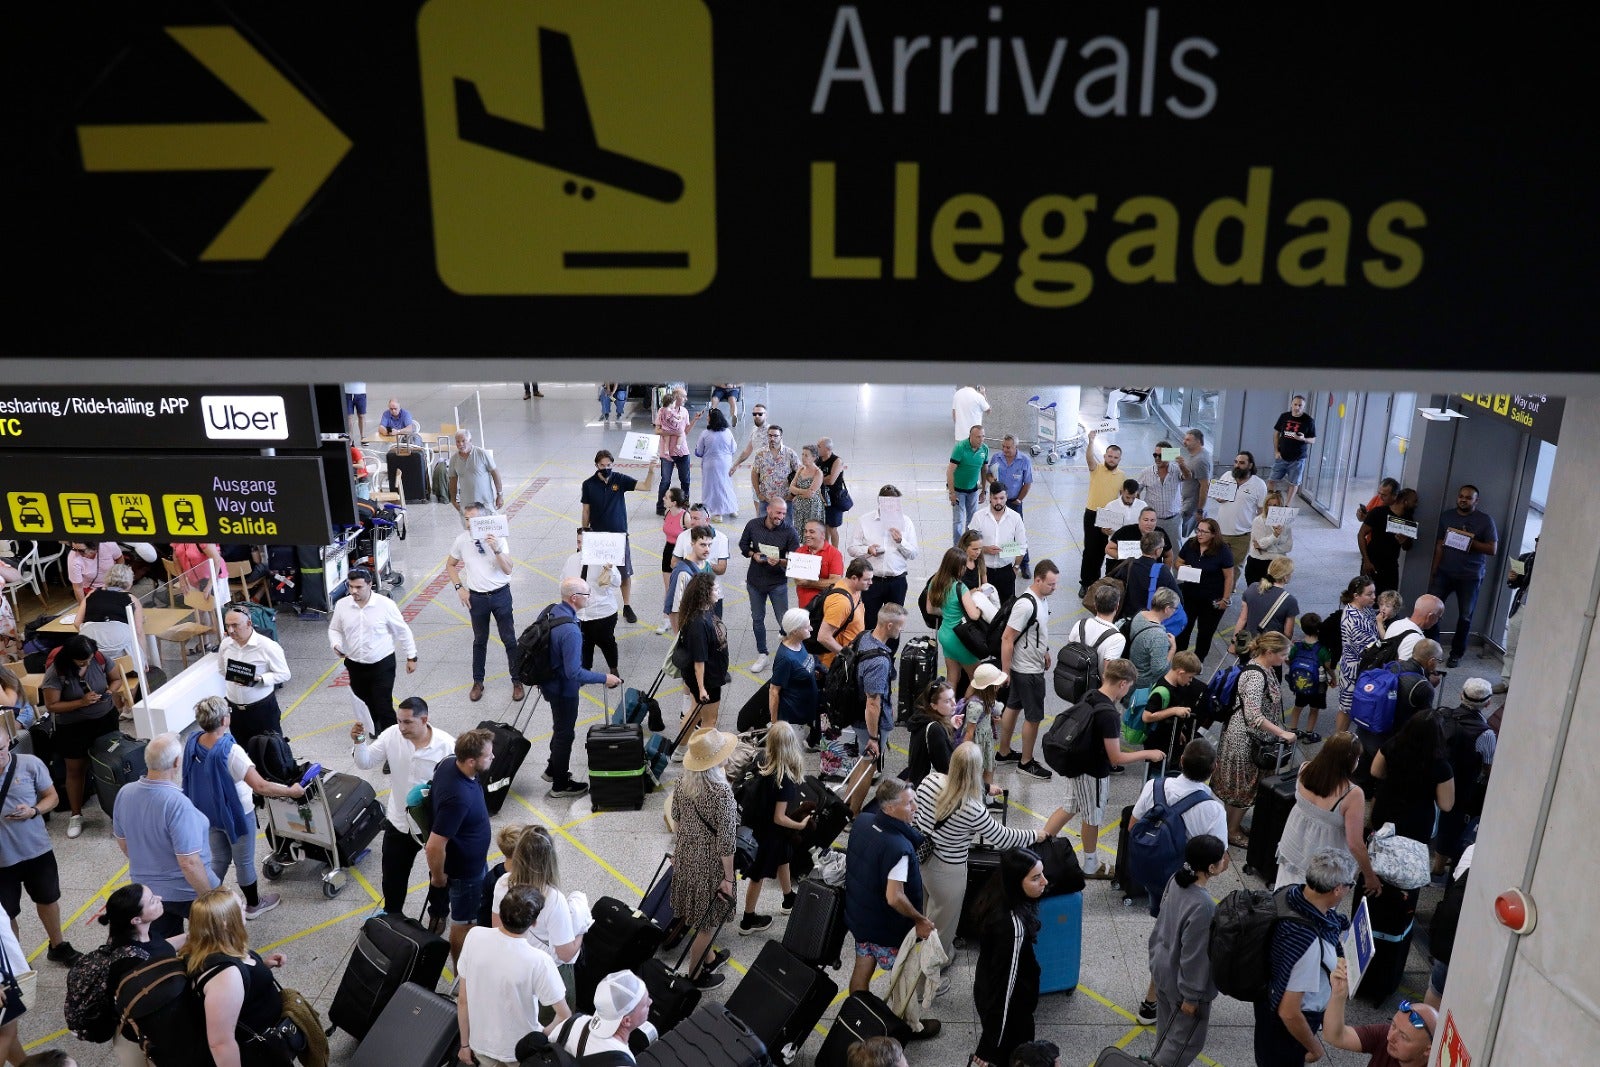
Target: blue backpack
{"points": [[1157, 841], [1304, 670], [1377, 692], [1216, 701]]}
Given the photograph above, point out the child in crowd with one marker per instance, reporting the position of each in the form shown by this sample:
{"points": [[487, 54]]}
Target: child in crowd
{"points": [[1310, 666], [1168, 721], [671, 526]]}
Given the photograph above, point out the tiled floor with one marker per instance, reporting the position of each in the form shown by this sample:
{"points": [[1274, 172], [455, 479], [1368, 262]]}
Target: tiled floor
{"points": [[886, 434]]}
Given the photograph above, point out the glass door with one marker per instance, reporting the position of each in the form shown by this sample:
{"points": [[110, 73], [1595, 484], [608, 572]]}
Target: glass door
{"points": [[1328, 468]]}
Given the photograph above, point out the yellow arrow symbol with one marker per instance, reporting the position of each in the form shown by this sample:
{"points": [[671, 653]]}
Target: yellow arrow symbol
{"points": [[294, 143]]}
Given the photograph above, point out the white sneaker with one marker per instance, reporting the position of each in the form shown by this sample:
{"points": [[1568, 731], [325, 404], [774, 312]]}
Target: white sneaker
{"points": [[664, 629], [75, 826], [759, 665]]}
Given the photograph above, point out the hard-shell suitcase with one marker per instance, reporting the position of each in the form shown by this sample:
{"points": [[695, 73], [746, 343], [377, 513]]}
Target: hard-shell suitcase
{"points": [[1274, 802], [616, 767], [115, 760], [621, 939], [832, 813], [1393, 913], [417, 1028], [390, 950], [781, 999], [711, 1037], [673, 996], [1120, 877], [981, 865], [511, 748], [413, 469], [1059, 946], [919, 660], [861, 1016], [815, 931], [357, 814], [1112, 1056]]}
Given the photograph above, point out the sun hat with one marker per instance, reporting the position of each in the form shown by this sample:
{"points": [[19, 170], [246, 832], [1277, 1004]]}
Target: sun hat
{"points": [[709, 747], [987, 676]]}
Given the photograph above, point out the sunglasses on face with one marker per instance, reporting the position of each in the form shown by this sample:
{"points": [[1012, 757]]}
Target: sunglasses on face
{"points": [[1416, 1019]]}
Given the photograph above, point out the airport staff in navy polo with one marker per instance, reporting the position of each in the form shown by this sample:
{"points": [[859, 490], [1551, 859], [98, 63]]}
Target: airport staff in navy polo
{"points": [[566, 658], [1459, 570], [605, 510]]}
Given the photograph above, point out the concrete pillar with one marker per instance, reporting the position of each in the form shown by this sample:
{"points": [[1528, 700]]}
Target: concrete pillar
{"points": [[1009, 412], [1535, 999]]}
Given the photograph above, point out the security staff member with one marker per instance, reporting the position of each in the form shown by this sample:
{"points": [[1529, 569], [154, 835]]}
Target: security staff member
{"points": [[254, 666]]}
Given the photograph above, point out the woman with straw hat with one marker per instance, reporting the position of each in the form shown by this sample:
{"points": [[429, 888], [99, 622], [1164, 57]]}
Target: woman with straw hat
{"points": [[702, 856]]}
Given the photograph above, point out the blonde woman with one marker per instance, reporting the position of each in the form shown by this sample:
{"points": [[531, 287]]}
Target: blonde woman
{"points": [[950, 810], [1268, 605], [1260, 709], [234, 981], [707, 818], [558, 930], [782, 771], [1267, 542]]}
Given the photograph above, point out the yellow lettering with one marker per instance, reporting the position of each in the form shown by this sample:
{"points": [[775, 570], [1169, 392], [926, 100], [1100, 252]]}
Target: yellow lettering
{"points": [[905, 220], [1251, 214], [1064, 283], [948, 235], [1330, 245], [1404, 260], [825, 260], [1155, 245]]}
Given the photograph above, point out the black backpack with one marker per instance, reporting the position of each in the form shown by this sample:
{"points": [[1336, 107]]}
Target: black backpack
{"points": [[933, 619], [272, 756], [996, 627], [1070, 740], [535, 661], [1462, 727], [1077, 670], [841, 687], [1241, 940], [90, 1012], [160, 1006], [815, 610], [1380, 653]]}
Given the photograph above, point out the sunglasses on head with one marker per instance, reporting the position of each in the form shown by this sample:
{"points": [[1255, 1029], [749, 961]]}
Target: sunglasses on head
{"points": [[1416, 1018]]}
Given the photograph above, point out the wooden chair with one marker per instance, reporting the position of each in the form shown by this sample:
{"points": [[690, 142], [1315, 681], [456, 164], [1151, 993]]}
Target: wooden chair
{"points": [[247, 590], [30, 682], [397, 495], [130, 678], [185, 632]]}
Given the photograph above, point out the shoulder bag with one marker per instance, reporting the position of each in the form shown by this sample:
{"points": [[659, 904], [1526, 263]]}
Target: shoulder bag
{"points": [[1398, 861]]}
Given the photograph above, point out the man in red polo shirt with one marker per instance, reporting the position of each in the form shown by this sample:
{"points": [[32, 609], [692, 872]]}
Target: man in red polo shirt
{"points": [[814, 542]]}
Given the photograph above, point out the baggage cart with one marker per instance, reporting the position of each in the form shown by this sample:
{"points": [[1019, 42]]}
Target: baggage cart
{"points": [[305, 829], [1046, 438]]}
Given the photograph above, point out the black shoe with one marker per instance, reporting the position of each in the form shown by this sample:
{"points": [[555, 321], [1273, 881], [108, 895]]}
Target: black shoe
{"points": [[718, 958], [1147, 1011], [709, 980], [569, 788], [930, 1030], [751, 923], [63, 953], [1033, 770], [1118, 768], [436, 925], [627, 613], [1453, 661], [788, 902], [1008, 757], [661, 509]]}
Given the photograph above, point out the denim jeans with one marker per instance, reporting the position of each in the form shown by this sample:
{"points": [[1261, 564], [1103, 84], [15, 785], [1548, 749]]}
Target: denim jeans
{"points": [[961, 511], [759, 598], [564, 719], [242, 852], [481, 606], [1465, 589], [681, 465], [606, 399]]}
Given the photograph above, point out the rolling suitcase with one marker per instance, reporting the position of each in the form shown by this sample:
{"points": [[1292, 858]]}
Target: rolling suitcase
{"points": [[621, 939], [781, 999], [815, 931], [1059, 946], [861, 1016], [1393, 913], [511, 747], [390, 950], [832, 813], [919, 661], [981, 865], [616, 767], [1120, 878], [1112, 1056], [115, 760], [712, 1037], [357, 814], [672, 995], [1274, 802], [657, 901], [414, 471], [417, 1028]]}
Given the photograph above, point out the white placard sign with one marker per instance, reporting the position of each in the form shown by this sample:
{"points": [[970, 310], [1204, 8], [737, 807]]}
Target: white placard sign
{"points": [[482, 526], [1281, 516], [639, 448], [1109, 518], [805, 567], [891, 513], [600, 549], [1223, 489], [1128, 550], [1188, 574], [1518, 567], [1458, 540], [1402, 527]]}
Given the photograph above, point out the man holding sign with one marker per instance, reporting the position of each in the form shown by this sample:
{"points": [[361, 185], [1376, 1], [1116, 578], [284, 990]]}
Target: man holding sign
{"points": [[887, 540], [1467, 541], [254, 666], [479, 565], [605, 510], [1387, 531], [1406, 1040], [1005, 541]]}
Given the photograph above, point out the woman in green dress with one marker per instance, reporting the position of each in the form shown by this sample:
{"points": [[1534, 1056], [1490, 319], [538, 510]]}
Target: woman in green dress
{"points": [[952, 600]]}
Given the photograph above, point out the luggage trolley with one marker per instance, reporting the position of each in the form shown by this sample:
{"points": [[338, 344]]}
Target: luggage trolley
{"points": [[1045, 434], [304, 829]]}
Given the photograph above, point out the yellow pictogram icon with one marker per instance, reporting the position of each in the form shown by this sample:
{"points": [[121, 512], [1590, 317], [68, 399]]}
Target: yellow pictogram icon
{"points": [[185, 514], [570, 145], [132, 514], [30, 513], [80, 513], [1502, 403]]}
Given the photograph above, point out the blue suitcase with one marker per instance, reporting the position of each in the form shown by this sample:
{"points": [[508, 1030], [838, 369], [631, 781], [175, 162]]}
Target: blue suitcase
{"points": [[1059, 948]]}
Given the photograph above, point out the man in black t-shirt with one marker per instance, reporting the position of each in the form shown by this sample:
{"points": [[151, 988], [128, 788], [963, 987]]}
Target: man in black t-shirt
{"points": [[1380, 548], [1292, 435], [604, 496], [1090, 790]]}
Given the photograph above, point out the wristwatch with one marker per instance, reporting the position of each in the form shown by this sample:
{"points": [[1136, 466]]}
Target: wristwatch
{"points": [[458, 584]]}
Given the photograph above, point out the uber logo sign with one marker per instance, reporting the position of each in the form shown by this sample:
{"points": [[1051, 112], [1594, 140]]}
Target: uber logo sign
{"points": [[253, 417]]}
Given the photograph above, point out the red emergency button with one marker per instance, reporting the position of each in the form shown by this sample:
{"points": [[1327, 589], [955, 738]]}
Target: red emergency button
{"points": [[1516, 911]]}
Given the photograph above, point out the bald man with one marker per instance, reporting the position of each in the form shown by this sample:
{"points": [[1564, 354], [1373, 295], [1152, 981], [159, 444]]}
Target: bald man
{"points": [[1406, 1039], [1425, 613], [566, 658]]}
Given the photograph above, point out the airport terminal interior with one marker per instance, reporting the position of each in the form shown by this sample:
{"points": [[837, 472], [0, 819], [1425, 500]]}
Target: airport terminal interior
{"points": [[897, 435]]}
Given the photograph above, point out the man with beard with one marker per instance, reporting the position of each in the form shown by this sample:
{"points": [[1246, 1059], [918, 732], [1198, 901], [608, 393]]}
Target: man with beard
{"points": [[1238, 502], [1467, 541], [1105, 483], [1380, 547]]}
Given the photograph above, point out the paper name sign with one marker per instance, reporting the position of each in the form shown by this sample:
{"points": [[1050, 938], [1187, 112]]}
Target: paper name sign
{"points": [[1168, 455], [805, 567], [482, 526], [1011, 548], [891, 513], [1402, 527], [1188, 574], [600, 549], [1359, 946], [1108, 518], [1128, 550], [1518, 567], [1281, 516], [770, 551], [1457, 540], [1224, 489], [640, 447]]}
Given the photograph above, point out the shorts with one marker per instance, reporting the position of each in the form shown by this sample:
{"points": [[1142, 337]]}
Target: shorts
{"points": [[666, 556], [731, 393], [713, 688], [1027, 696], [882, 953], [833, 517], [1316, 698], [74, 739], [1288, 470], [466, 898], [38, 876], [1239, 545], [355, 403], [1088, 797]]}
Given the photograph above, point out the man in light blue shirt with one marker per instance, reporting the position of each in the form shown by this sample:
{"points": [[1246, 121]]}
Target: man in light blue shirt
{"points": [[165, 837], [1013, 469]]}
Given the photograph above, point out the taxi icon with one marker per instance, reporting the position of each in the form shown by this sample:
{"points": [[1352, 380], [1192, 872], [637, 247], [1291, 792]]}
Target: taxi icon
{"points": [[133, 519]]}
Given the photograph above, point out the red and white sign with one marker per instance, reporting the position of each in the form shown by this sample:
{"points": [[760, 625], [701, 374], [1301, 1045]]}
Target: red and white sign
{"points": [[1454, 1052]]}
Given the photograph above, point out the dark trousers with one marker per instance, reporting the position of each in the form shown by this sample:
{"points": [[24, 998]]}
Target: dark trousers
{"points": [[1094, 549], [373, 685], [564, 717], [252, 720], [481, 606], [399, 855], [882, 591], [174, 913], [1466, 594], [602, 634], [1027, 560], [1386, 576], [1004, 580], [1203, 617], [681, 464], [1275, 1045]]}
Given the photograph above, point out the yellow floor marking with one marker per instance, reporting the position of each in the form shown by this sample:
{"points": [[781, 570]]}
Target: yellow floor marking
{"points": [[361, 880], [581, 819], [364, 909], [110, 885], [579, 845]]}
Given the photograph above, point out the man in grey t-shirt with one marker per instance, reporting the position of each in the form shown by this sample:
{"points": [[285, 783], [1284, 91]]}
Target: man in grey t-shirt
{"points": [[1194, 465], [473, 476], [26, 859], [1025, 659]]}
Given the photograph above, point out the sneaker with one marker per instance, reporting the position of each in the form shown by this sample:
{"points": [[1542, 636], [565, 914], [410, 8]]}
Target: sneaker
{"points": [[267, 902], [1308, 737], [436, 925], [63, 953], [627, 613], [1454, 661], [569, 788], [1118, 768], [759, 664], [709, 980], [944, 987], [788, 902], [752, 922], [75, 826], [718, 958], [536, 395], [1033, 770], [1008, 757], [930, 1030], [664, 629], [547, 776], [1147, 1011]]}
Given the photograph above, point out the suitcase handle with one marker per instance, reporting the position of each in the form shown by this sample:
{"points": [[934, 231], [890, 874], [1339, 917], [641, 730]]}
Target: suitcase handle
{"points": [[718, 933]]}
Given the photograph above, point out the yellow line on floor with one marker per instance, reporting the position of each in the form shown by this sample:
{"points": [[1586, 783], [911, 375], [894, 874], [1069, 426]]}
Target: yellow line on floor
{"points": [[364, 909], [579, 845], [361, 880], [581, 819], [1127, 1039], [111, 884], [336, 665]]}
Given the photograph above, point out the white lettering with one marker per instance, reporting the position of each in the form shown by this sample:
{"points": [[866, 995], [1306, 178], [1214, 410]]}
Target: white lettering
{"points": [[849, 20], [1208, 88], [244, 417]]}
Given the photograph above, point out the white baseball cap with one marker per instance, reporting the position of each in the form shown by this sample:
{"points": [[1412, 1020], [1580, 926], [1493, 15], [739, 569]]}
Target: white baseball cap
{"points": [[617, 994]]}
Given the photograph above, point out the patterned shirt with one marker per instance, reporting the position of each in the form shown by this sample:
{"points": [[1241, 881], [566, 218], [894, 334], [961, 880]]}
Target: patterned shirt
{"points": [[1163, 494], [773, 471]]}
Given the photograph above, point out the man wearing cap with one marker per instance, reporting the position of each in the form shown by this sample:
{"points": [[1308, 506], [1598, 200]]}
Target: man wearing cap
{"points": [[480, 569], [363, 631], [621, 1007], [1470, 746], [888, 547], [566, 657]]}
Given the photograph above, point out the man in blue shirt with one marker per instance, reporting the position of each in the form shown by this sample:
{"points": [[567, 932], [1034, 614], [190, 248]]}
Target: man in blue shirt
{"points": [[566, 658], [396, 420], [1013, 469], [166, 838], [458, 845], [605, 510], [1467, 541]]}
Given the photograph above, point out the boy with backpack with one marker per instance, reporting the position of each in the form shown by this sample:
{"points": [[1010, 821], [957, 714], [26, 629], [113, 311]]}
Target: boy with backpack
{"points": [[1168, 713], [1310, 666]]}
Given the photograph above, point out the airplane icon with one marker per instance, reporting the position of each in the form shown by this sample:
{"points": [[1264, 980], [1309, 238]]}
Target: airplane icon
{"points": [[567, 140]]}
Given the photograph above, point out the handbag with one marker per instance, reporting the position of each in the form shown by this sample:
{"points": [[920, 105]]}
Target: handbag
{"points": [[1242, 638], [1264, 751], [974, 636], [925, 846], [1088, 594], [1398, 861], [19, 989]]}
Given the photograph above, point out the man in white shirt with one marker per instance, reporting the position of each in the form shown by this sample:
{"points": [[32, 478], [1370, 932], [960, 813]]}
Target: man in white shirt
{"points": [[480, 569], [1103, 623], [410, 750], [1426, 612], [684, 569], [967, 408], [254, 666], [621, 1006], [597, 618], [1005, 541], [502, 983], [364, 631], [1237, 497], [888, 547], [1025, 659]]}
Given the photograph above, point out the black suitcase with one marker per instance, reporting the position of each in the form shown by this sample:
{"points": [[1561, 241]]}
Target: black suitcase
{"points": [[1120, 878], [673, 995], [390, 950], [815, 931], [621, 939], [919, 665], [781, 999], [414, 470], [1112, 1056], [712, 1037], [357, 814], [115, 760], [832, 813], [1274, 802], [511, 748], [1394, 914], [862, 1015], [616, 767], [417, 1028], [757, 711], [981, 865]]}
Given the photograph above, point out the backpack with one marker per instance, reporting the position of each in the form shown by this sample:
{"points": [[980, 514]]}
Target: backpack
{"points": [[995, 629], [1077, 670], [1305, 672], [1070, 740], [99, 657], [1462, 727], [1376, 695], [1241, 940], [1157, 840], [841, 687], [1380, 653], [1221, 697], [933, 619], [273, 757], [815, 610], [91, 1014], [160, 1006], [538, 1050], [535, 660]]}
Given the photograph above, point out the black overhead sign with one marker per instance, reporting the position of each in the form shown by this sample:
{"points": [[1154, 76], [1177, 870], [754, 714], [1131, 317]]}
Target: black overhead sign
{"points": [[1540, 415], [1287, 186], [255, 499], [165, 417]]}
